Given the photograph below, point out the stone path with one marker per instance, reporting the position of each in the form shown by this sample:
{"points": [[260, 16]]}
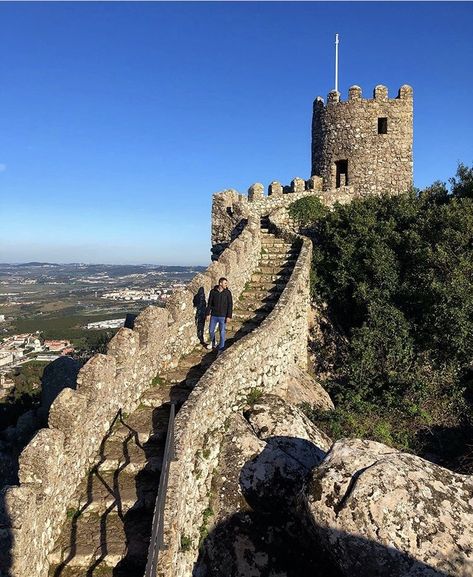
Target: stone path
{"points": [[108, 527]]}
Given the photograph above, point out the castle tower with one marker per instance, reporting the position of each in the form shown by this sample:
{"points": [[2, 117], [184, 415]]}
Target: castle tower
{"points": [[364, 143]]}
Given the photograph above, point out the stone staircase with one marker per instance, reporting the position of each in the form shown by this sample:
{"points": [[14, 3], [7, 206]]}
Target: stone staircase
{"points": [[108, 526]]}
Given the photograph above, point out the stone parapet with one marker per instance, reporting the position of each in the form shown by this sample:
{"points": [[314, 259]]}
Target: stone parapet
{"points": [[259, 360], [55, 461], [364, 142]]}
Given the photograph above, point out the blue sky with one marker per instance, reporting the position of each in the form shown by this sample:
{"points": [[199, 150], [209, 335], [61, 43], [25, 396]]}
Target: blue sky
{"points": [[120, 119]]}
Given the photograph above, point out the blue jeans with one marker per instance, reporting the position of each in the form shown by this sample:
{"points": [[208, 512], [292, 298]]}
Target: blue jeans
{"points": [[221, 328]]}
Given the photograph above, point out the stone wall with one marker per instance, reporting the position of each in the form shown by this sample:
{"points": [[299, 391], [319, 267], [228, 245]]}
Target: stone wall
{"points": [[259, 360], [230, 209], [58, 457], [349, 131]]}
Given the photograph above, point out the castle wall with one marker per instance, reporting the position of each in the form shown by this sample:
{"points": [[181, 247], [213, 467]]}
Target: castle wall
{"points": [[55, 461], [348, 130], [229, 207], [281, 340]]}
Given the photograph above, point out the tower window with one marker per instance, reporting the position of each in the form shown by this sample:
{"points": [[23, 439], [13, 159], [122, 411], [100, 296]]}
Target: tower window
{"points": [[382, 125], [342, 173]]}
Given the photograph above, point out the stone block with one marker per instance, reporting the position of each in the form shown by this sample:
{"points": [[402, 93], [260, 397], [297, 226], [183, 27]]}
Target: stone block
{"points": [[97, 376], [354, 93], [298, 184], [151, 326], [67, 412], [40, 462], [380, 92], [256, 192], [124, 348], [275, 189], [179, 305], [315, 183]]}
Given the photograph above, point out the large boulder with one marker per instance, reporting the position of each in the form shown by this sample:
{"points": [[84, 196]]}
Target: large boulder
{"points": [[293, 446], [246, 536], [383, 513]]}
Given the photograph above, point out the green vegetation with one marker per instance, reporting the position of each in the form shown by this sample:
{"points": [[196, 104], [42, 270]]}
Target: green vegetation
{"points": [[204, 528], [396, 274], [67, 327], [25, 395], [307, 211], [157, 381], [72, 513], [253, 396], [186, 543]]}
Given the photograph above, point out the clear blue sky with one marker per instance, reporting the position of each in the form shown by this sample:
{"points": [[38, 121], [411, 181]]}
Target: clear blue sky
{"points": [[119, 120]]}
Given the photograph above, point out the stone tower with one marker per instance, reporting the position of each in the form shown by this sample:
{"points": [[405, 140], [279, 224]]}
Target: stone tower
{"points": [[364, 143]]}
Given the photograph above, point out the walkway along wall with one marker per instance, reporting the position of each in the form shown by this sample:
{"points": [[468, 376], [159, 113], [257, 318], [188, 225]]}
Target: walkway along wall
{"points": [[58, 457], [231, 210], [259, 359]]}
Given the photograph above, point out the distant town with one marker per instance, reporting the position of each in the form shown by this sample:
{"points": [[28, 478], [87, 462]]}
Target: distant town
{"points": [[50, 310]]}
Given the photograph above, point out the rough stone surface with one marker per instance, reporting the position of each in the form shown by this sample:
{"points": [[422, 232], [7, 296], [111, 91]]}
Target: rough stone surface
{"points": [[52, 465], [281, 339], [243, 537], [299, 387], [348, 131], [294, 446], [386, 513]]}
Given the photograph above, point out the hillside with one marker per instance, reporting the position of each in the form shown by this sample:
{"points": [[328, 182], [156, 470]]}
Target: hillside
{"points": [[393, 285]]}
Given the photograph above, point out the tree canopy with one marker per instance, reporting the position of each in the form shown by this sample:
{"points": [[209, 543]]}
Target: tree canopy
{"points": [[396, 275]]}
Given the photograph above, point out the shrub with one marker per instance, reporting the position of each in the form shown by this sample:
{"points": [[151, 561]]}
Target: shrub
{"points": [[307, 211]]}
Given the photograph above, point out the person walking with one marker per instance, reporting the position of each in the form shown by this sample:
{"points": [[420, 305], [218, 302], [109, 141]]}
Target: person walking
{"points": [[219, 310]]}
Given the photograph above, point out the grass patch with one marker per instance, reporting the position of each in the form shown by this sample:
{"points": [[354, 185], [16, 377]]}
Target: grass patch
{"points": [[186, 543], [254, 396], [72, 513], [157, 381], [204, 528]]}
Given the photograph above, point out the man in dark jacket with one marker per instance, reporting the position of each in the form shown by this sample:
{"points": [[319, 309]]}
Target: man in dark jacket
{"points": [[219, 309]]}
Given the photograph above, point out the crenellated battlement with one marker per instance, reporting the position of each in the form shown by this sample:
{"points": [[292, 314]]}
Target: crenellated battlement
{"points": [[355, 94], [230, 209], [55, 461], [364, 142]]}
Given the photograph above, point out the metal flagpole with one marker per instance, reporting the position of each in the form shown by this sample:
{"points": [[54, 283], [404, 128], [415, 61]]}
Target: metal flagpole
{"points": [[336, 62]]}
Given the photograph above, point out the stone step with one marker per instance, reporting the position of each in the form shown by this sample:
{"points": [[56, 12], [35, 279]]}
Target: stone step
{"points": [[254, 316], [268, 240], [263, 278], [268, 285], [263, 294], [91, 539], [100, 570], [241, 329], [256, 301], [277, 252], [179, 374], [256, 307], [277, 258], [127, 454], [143, 424], [263, 268], [120, 490]]}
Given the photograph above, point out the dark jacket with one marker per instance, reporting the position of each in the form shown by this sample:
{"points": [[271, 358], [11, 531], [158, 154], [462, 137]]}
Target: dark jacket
{"points": [[220, 303]]}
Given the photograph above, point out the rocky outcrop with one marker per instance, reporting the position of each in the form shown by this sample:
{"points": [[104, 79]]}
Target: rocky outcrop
{"points": [[299, 387], [293, 446], [255, 529], [385, 513]]}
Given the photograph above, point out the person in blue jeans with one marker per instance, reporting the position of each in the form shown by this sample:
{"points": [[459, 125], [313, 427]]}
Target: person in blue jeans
{"points": [[219, 310]]}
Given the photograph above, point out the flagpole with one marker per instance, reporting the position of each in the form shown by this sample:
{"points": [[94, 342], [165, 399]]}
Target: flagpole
{"points": [[336, 62]]}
